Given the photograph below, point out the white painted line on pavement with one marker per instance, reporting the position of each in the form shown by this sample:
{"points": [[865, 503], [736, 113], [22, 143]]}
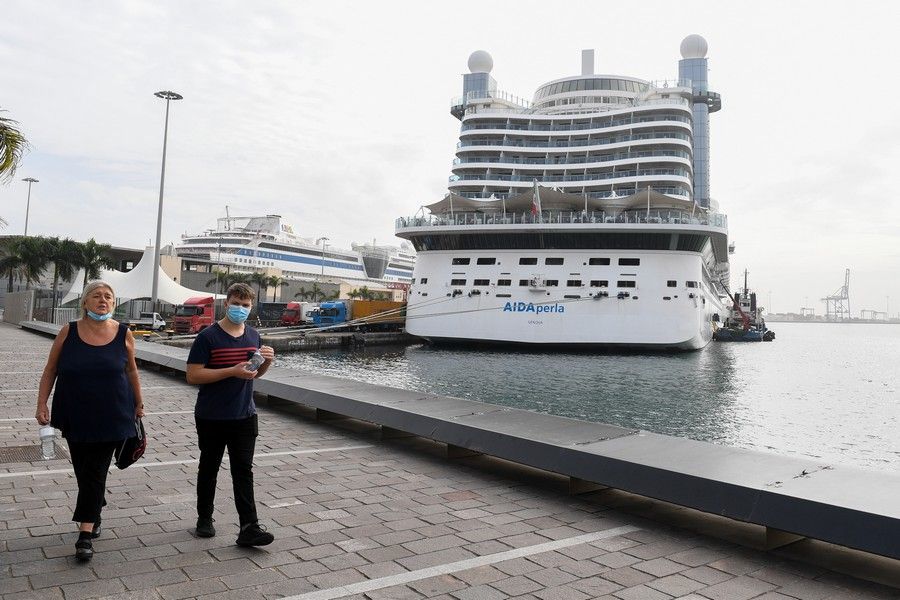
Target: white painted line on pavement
{"points": [[283, 504], [479, 561], [143, 387], [149, 414], [22, 372], [167, 463]]}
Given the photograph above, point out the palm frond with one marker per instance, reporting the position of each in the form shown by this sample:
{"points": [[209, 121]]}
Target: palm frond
{"points": [[13, 146]]}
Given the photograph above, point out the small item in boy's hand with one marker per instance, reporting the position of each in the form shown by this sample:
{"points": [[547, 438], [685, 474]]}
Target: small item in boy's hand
{"points": [[256, 360]]}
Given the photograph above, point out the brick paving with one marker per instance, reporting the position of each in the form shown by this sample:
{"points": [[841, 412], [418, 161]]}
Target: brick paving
{"points": [[353, 517]]}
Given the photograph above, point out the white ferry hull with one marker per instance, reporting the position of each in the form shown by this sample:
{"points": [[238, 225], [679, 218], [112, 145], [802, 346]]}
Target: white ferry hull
{"points": [[652, 315]]}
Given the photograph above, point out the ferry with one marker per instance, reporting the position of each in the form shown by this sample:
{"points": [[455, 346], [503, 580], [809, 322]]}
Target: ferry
{"points": [[580, 218], [250, 244]]}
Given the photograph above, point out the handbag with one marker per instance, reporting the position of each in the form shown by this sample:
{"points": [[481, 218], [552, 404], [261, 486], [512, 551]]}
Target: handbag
{"points": [[132, 448]]}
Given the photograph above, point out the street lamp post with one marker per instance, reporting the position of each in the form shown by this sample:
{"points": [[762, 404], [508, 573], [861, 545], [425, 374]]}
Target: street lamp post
{"points": [[324, 241], [168, 97], [30, 180]]}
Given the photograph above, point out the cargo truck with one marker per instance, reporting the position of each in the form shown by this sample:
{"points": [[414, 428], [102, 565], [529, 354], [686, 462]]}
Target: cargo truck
{"points": [[194, 315], [336, 312], [147, 320], [297, 313]]}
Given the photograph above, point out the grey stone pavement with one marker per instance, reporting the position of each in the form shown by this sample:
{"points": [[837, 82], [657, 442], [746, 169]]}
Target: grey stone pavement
{"points": [[357, 517]]}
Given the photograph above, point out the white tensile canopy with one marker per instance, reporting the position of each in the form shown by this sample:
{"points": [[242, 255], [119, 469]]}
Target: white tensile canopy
{"points": [[552, 199], [137, 283], [648, 197]]}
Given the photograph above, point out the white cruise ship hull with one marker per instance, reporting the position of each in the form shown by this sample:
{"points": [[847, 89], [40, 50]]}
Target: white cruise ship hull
{"points": [[651, 314]]}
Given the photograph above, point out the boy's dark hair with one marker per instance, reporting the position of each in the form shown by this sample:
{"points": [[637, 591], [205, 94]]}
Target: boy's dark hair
{"points": [[241, 290]]}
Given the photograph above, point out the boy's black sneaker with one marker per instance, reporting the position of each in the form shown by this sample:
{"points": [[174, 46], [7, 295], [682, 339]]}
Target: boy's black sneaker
{"points": [[205, 527], [254, 534]]}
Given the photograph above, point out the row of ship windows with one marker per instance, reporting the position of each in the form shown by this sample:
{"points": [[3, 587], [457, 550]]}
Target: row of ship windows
{"points": [[525, 260], [622, 283], [578, 85], [255, 262]]}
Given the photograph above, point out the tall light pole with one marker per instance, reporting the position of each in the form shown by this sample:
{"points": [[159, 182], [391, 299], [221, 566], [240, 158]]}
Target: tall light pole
{"points": [[30, 180], [323, 240], [168, 97]]}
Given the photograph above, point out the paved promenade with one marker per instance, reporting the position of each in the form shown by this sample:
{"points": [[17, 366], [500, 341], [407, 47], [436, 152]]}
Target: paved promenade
{"points": [[353, 517]]}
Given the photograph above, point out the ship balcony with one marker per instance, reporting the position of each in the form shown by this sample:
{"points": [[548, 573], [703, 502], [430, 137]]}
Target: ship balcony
{"points": [[677, 192], [658, 137], [680, 175], [663, 218], [540, 162], [617, 125]]}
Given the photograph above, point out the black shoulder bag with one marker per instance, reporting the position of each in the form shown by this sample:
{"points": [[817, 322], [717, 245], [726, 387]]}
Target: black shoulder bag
{"points": [[130, 450]]}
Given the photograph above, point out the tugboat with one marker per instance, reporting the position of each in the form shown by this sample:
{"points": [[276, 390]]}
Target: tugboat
{"points": [[744, 322]]}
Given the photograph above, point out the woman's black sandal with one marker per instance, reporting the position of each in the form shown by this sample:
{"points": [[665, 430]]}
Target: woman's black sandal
{"points": [[84, 549]]}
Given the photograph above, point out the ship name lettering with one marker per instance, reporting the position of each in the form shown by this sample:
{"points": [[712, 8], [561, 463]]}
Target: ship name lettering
{"points": [[533, 308]]}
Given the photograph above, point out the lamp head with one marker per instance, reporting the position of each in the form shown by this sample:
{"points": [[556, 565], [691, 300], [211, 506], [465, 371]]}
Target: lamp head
{"points": [[30, 180], [165, 95]]}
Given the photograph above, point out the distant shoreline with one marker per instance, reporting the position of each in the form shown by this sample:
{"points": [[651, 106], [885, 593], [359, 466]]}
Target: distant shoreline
{"points": [[774, 319]]}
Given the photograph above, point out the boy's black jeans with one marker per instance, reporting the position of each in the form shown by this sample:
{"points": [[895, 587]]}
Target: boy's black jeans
{"points": [[239, 437]]}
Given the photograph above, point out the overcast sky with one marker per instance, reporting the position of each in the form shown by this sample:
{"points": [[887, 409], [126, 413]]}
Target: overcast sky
{"points": [[337, 117]]}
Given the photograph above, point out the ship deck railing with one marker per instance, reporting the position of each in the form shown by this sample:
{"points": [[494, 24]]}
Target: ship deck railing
{"points": [[653, 217]]}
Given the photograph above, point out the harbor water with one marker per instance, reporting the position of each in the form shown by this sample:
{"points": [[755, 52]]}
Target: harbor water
{"points": [[823, 391]]}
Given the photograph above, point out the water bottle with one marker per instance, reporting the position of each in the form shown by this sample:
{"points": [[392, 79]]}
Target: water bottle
{"points": [[256, 360], [48, 447]]}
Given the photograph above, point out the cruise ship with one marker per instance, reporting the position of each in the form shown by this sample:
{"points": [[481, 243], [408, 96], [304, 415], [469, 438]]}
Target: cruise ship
{"points": [[250, 244], [579, 218]]}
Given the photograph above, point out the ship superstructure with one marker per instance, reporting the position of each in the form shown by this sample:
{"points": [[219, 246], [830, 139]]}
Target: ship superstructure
{"points": [[581, 217], [250, 244]]}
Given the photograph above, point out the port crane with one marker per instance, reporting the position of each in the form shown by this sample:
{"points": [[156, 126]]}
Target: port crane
{"points": [[837, 305]]}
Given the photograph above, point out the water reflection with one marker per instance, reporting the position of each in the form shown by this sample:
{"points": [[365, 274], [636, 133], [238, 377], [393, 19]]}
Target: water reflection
{"points": [[797, 395]]}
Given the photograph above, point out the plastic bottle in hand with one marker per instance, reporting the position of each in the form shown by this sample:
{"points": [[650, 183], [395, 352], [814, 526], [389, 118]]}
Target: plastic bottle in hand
{"points": [[48, 447], [255, 361]]}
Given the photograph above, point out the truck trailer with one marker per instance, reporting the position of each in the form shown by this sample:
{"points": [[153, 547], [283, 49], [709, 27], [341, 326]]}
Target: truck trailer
{"points": [[298, 313], [361, 315]]}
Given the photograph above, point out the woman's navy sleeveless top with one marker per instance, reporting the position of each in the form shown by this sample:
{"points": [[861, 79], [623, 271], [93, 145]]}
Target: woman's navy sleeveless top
{"points": [[93, 401]]}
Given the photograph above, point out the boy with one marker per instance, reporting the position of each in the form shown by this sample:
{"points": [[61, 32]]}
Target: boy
{"points": [[225, 413]]}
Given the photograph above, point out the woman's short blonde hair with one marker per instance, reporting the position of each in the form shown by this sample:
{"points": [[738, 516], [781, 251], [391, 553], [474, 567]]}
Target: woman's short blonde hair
{"points": [[89, 289]]}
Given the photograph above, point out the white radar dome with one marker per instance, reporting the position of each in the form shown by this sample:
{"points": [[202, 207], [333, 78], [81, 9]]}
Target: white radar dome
{"points": [[480, 62], [694, 46]]}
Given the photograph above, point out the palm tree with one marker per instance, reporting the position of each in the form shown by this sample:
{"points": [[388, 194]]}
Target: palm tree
{"points": [[64, 254], [94, 257], [260, 280], [10, 261], [274, 281], [12, 147], [354, 293], [220, 280], [240, 278], [311, 294], [22, 259]]}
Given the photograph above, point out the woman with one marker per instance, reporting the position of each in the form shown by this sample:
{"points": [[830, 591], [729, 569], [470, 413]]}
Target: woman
{"points": [[97, 397]]}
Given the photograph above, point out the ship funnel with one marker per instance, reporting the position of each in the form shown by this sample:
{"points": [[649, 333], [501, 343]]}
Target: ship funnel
{"points": [[587, 62]]}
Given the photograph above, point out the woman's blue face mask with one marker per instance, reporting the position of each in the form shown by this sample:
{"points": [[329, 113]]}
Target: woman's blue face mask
{"points": [[237, 314], [97, 317]]}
